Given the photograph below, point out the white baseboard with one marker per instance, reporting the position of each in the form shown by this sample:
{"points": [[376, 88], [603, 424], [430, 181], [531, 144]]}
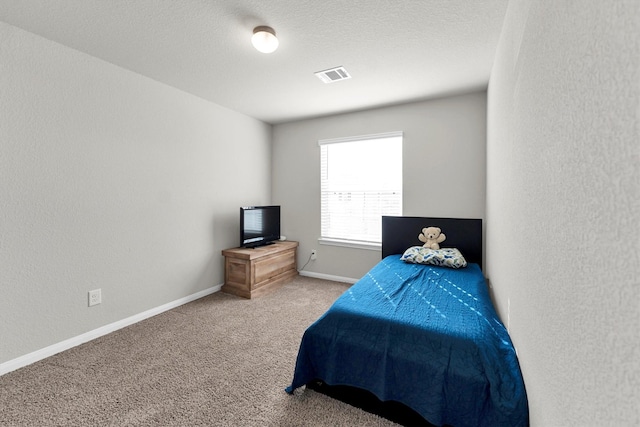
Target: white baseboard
{"points": [[43, 353], [327, 277]]}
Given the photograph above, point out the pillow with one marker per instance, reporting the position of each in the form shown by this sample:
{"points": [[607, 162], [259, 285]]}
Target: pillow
{"points": [[445, 257]]}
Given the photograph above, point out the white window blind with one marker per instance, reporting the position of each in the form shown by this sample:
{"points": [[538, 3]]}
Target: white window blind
{"points": [[361, 180]]}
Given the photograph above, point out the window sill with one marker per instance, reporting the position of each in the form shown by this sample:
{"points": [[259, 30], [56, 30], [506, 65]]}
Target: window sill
{"points": [[350, 244]]}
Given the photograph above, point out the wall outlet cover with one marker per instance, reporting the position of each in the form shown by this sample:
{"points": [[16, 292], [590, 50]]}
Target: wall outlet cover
{"points": [[95, 297]]}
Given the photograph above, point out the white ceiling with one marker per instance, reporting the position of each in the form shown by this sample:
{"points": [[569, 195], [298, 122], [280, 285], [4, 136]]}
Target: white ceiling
{"points": [[396, 51]]}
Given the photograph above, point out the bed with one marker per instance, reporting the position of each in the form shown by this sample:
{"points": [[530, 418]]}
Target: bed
{"points": [[424, 336]]}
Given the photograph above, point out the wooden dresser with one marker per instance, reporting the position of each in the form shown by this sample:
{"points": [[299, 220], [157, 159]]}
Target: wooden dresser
{"points": [[252, 272]]}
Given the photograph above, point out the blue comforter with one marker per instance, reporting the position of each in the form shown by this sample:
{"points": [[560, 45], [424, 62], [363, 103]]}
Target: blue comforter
{"points": [[426, 336]]}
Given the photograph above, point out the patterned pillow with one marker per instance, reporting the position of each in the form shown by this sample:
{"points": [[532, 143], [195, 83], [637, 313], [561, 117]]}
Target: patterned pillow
{"points": [[445, 257]]}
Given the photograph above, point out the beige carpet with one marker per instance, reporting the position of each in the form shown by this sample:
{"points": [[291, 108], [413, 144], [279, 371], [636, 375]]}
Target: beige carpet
{"points": [[218, 361]]}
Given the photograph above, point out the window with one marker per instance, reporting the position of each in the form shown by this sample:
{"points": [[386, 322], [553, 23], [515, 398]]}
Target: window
{"points": [[361, 180]]}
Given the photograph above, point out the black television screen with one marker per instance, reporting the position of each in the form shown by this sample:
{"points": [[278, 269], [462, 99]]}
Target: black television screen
{"points": [[259, 225]]}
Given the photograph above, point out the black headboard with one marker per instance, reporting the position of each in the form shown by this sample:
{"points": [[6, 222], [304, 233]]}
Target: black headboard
{"points": [[401, 232]]}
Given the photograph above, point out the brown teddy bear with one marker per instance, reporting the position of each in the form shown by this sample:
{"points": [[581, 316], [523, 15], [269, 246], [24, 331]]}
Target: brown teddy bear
{"points": [[431, 236]]}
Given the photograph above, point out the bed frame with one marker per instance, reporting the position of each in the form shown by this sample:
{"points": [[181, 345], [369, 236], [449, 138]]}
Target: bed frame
{"points": [[398, 234], [401, 232]]}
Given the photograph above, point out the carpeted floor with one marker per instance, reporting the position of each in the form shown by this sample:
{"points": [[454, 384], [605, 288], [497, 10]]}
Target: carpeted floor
{"points": [[218, 361]]}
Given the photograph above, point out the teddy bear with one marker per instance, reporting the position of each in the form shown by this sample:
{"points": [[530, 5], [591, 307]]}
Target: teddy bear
{"points": [[431, 236]]}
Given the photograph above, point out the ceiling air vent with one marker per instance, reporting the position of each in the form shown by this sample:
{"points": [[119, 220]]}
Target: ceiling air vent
{"points": [[333, 75]]}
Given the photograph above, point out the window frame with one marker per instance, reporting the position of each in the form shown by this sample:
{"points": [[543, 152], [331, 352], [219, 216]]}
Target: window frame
{"points": [[376, 246]]}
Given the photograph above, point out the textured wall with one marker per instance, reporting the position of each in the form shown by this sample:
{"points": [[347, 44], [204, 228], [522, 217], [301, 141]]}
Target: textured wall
{"points": [[110, 180], [563, 205], [442, 138]]}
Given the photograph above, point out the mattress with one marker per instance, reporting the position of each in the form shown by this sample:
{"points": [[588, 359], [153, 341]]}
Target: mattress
{"points": [[426, 336]]}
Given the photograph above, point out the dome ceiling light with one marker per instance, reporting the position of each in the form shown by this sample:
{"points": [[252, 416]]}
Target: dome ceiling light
{"points": [[264, 39]]}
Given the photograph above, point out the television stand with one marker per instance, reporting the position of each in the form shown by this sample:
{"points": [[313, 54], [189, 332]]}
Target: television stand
{"points": [[251, 272]]}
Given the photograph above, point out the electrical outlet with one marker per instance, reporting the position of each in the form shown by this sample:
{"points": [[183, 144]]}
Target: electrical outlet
{"points": [[314, 256], [508, 313], [95, 297]]}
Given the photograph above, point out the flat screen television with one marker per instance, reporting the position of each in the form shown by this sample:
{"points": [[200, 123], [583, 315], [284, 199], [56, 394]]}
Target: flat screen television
{"points": [[259, 225]]}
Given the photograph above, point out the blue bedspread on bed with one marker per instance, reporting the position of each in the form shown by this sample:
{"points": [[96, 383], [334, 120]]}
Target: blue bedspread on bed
{"points": [[426, 336]]}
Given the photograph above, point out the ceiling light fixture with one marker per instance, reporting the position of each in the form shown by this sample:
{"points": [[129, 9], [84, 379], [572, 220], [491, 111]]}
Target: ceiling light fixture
{"points": [[264, 39]]}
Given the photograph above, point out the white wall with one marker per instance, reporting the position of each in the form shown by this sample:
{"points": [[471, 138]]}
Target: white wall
{"points": [[563, 206], [110, 180], [444, 170]]}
